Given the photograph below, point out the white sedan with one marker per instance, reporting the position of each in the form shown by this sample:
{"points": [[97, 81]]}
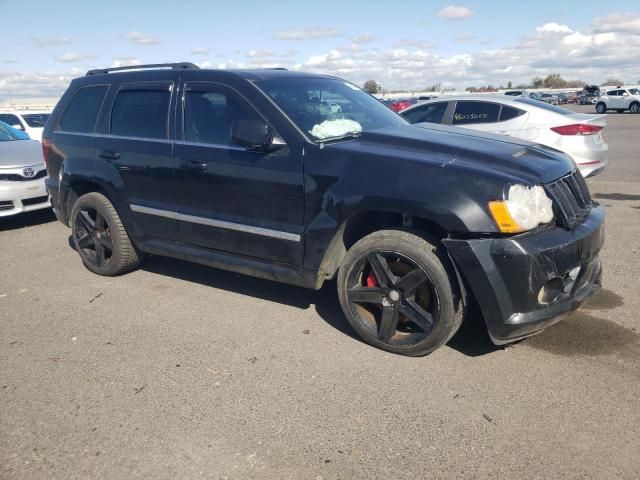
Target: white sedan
{"points": [[577, 134]]}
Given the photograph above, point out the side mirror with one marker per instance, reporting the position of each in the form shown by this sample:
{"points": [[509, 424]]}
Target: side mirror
{"points": [[256, 135]]}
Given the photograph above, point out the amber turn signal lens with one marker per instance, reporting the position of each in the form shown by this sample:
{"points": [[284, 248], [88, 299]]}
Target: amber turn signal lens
{"points": [[502, 217]]}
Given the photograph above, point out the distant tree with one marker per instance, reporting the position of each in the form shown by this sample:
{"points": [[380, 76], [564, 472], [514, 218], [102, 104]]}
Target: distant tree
{"points": [[371, 86], [575, 84], [509, 84], [554, 81], [612, 82], [537, 82]]}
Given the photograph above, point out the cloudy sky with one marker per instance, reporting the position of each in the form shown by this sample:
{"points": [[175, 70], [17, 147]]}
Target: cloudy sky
{"points": [[402, 45]]}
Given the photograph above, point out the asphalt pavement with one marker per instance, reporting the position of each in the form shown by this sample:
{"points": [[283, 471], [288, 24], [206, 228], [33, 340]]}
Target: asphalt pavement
{"points": [[179, 371]]}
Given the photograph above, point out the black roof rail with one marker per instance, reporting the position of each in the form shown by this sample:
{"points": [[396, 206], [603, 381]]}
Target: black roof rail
{"points": [[173, 66]]}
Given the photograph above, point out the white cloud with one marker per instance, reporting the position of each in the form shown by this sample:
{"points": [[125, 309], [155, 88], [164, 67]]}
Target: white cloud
{"points": [[553, 28], [42, 42], [260, 53], [618, 23], [125, 62], [142, 39], [413, 42], [200, 51], [307, 33], [465, 37], [363, 38], [34, 85], [455, 12], [70, 57]]}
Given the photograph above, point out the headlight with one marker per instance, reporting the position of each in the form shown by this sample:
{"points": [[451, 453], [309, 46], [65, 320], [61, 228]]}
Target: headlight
{"points": [[524, 208]]}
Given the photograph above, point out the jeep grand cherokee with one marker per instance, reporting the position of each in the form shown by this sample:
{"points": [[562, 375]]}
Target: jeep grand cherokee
{"points": [[300, 178]]}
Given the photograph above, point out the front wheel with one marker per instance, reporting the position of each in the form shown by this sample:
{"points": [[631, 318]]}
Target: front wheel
{"points": [[398, 293], [601, 108], [634, 107], [100, 237]]}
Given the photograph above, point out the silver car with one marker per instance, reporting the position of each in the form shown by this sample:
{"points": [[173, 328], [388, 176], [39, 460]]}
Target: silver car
{"points": [[22, 173]]}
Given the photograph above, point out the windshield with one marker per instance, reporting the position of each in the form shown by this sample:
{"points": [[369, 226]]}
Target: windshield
{"points": [[8, 133], [545, 106], [329, 108], [634, 91], [36, 120]]}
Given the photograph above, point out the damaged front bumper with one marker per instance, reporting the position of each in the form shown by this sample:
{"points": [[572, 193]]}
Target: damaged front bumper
{"points": [[527, 282]]}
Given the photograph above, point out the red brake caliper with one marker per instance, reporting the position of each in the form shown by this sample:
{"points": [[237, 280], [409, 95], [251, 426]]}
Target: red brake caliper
{"points": [[371, 280]]}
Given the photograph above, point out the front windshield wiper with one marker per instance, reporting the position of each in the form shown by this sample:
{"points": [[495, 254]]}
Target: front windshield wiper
{"points": [[344, 136]]}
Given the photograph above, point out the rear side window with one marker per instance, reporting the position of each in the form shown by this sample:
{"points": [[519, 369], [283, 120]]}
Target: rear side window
{"points": [[509, 113], [36, 120], [475, 112], [141, 112], [432, 113], [11, 120], [82, 111], [209, 113]]}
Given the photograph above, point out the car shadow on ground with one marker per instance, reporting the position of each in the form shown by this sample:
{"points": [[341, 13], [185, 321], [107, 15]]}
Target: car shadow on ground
{"points": [[471, 340], [27, 219]]}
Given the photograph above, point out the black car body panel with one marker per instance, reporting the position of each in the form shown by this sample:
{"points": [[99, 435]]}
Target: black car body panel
{"points": [[286, 214]]}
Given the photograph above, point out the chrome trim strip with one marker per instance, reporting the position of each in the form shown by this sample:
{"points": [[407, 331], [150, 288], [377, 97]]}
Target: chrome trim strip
{"points": [[238, 227]]}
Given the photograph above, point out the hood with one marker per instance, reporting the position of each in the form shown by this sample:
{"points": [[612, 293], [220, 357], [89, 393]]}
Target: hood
{"points": [[20, 153], [452, 147]]}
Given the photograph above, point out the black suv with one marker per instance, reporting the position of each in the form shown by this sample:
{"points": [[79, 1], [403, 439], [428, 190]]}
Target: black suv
{"points": [[300, 178]]}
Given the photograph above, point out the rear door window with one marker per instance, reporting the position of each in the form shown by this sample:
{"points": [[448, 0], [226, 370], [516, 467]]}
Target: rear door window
{"points": [[141, 112], [432, 113], [509, 113], [82, 111], [468, 112]]}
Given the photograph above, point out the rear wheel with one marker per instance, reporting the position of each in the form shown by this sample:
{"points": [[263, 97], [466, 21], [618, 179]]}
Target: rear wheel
{"points": [[100, 237], [398, 294], [634, 107], [601, 107]]}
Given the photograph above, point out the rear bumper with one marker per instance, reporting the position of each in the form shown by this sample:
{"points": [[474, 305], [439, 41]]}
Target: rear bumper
{"points": [[23, 196], [53, 187], [506, 275]]}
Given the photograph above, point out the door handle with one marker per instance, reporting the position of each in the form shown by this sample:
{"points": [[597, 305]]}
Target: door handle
{"points": [[109, 155], [193, 165]]}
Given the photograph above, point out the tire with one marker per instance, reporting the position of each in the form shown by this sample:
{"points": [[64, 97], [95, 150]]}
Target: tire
{"points": [[399, 293], [634, 107], [100, 238], [601, 108]]}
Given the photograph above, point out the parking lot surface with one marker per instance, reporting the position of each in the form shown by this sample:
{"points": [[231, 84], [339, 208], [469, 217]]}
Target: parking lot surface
{"points": [[181, 371]]}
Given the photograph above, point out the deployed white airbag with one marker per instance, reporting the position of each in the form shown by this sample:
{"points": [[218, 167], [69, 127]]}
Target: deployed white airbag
{"points": [[335, 128]]}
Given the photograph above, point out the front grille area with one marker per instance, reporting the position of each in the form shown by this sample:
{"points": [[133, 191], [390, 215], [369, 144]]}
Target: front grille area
{"points": [[571, 200], [35, 201], [6, 205], [14, 177]]}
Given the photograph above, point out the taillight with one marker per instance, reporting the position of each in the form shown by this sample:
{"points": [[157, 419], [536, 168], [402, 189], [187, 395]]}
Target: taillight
{"points": [[577, 129], [46, 149]]}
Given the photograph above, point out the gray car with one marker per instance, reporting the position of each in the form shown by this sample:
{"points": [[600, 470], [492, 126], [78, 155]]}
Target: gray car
{"points": [[22, 173]]}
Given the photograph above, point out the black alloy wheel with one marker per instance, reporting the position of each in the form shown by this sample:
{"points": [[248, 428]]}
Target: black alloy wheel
{"points": [[100, 237], [393, 298], [398, 292], [92, 235]]}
